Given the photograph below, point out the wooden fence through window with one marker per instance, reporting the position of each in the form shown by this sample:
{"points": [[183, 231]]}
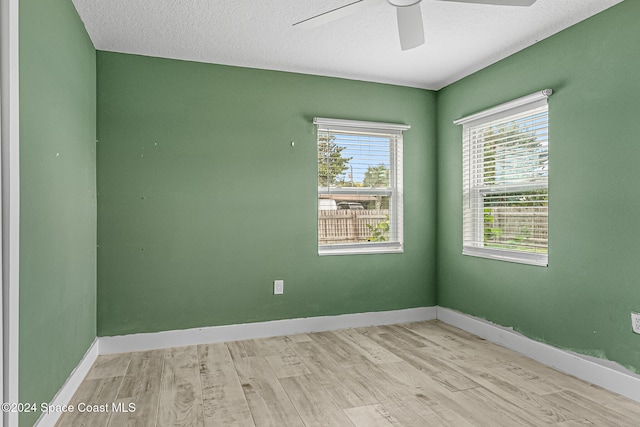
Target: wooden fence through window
{"points": [[527, 226], [348, 225]]}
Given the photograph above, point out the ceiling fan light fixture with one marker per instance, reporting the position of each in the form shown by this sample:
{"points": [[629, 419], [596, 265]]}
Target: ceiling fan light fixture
{"points": [[403, 3]]}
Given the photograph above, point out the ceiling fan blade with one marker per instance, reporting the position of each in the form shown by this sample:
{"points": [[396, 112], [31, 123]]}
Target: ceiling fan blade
{"points": [[410, 26], [497, 2], [334, 14]]}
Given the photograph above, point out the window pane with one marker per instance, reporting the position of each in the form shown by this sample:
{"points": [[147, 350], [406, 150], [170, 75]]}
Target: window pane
{"points": [[516, 221], [353, 160]]}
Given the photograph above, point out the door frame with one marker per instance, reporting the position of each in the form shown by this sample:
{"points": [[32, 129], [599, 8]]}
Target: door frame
{"points": [[9, 204]]}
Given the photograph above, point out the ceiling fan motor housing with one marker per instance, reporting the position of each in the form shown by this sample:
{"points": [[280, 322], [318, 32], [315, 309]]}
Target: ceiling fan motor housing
{"points": [[403, 3]]}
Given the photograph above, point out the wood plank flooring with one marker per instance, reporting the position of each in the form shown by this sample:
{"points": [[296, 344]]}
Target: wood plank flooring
{"points": [[415, 374]]}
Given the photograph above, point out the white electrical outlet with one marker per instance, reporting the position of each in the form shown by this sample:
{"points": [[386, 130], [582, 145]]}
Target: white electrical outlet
{"points": [[635, 322], [278, 287]]}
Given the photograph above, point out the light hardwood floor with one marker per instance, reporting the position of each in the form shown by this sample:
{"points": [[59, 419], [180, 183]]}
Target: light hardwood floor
{"points": [[415, 374]]}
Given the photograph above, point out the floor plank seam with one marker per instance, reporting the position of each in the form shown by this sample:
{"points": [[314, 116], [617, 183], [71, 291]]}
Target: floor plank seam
{"points": [[157, 411], [201, 394]]}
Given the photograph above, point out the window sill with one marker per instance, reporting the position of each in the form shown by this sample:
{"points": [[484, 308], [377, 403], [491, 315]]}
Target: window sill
{"points": [[540, 260], [363, 249]]}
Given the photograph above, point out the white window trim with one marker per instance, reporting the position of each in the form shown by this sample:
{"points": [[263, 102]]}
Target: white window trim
{"points": [[398, 205], [360, 249], [540, 260], [529, 102], [507, 109], [357, 124]]}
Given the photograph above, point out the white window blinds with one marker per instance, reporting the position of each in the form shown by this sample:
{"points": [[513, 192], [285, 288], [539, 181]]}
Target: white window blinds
{"points": [[359, 186], [505, 181]]}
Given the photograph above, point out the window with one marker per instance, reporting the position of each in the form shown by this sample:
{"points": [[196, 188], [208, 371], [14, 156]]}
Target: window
{"points": [[505, 181], [359, 187]]}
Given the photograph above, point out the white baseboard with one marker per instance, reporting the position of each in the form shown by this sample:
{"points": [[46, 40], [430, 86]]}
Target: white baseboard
{"points": [[612, 377], [603, 373], [166, 339], [70, 386]]}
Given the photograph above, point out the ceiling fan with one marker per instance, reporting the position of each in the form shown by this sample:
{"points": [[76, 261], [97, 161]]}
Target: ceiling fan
{"points": [[410, 27]]}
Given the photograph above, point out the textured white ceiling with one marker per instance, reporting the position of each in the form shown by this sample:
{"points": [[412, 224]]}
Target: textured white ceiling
{"points": [[460, 38]]}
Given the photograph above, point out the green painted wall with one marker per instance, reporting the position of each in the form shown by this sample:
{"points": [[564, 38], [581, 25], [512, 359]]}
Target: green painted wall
{"points": [[58, 197], [583, 300], [203, 202]]}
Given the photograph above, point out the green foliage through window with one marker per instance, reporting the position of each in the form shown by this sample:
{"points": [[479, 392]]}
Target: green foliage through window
{"points": [[379, 232]]}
